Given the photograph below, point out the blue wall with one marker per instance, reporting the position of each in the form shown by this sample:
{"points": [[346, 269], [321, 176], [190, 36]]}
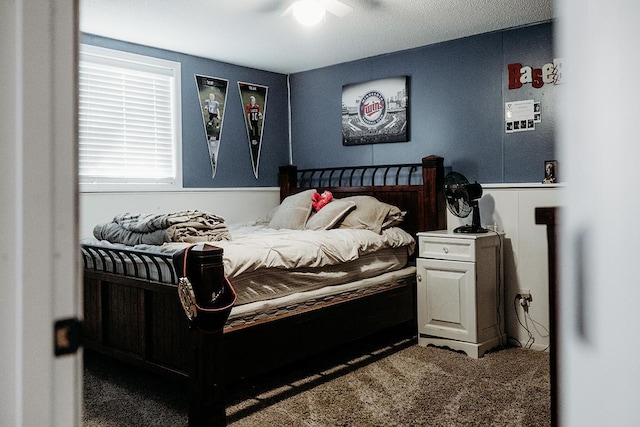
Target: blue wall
{"points": [[457, 91], [234, 166]]}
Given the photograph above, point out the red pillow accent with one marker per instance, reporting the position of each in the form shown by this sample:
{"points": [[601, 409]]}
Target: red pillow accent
{"points": [[318, 201]]}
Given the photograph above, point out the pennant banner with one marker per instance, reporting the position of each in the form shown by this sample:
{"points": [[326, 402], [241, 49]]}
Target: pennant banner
{"points": [[212, 93], [254, 101]]}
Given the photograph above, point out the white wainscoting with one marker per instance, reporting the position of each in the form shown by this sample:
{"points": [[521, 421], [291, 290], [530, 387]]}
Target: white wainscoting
{"points": [[511, 207]]}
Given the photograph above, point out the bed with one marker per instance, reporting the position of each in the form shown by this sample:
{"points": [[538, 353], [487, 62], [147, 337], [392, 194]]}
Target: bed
{"points": [[133, 313]]}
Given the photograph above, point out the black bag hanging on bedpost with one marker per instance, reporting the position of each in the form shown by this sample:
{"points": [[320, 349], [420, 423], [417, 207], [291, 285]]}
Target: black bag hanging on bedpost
{"points": [[206, 294], [207, 298]]}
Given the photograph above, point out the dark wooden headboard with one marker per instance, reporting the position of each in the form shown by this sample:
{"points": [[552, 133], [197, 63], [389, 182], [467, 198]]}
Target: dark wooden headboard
{"points": [[416, 188]]}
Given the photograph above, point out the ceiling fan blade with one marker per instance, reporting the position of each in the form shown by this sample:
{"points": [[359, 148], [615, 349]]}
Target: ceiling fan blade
{"points": [[336, 7], [366, 4], [269, 5]]}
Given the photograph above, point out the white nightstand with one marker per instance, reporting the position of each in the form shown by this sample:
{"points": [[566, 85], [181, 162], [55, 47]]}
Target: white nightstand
{"points": [[460, 301]]}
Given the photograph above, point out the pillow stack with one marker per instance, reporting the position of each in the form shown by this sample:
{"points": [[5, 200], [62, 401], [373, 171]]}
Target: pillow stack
{"points": [[357, 212]]}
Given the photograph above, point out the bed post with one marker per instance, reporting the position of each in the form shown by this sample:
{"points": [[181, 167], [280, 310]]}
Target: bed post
{"points": [[205, 270], [288, 180], [435, 217], [207, 403]]}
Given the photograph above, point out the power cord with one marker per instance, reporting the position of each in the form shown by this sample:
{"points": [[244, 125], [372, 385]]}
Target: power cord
{"points": [[532, 338], [534, 324], [499, 287]]}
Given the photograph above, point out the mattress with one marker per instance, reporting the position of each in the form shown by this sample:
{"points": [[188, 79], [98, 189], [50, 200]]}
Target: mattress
{"points": [[265, 264], [247, 314]]}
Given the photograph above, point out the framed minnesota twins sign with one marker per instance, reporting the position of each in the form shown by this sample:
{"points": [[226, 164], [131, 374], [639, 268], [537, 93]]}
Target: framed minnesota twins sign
{"points": [[375, 111]]}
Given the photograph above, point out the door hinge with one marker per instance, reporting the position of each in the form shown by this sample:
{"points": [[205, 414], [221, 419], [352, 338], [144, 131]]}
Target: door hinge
{"points": [[67, 336]]}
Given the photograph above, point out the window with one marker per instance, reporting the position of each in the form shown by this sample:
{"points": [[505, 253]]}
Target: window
{"points": [[129, 121]]}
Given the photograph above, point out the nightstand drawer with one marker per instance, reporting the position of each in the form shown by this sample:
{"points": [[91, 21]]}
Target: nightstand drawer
{"points": [[446, 248]]}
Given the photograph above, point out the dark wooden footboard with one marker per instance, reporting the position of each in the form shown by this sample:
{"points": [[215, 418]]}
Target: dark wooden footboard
{"points": [[137, 321], [140, 321]]}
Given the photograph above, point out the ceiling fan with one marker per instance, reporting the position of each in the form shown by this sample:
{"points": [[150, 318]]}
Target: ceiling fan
{"points": [[308, 12]]}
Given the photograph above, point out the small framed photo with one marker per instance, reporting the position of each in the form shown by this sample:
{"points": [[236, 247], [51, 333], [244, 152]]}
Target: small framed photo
{"points": [[550, 172]]}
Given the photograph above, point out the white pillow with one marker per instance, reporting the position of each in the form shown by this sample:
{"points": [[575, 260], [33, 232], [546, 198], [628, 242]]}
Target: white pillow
{"points": [[371, 214], [293, 212], [329, 215]]}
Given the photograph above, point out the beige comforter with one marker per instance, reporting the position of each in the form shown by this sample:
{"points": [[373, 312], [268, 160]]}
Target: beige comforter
{"points": [[254, 247]]}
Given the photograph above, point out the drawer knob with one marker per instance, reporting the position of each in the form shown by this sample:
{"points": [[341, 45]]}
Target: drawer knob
{"points": [[446, 250], [419, 277]]}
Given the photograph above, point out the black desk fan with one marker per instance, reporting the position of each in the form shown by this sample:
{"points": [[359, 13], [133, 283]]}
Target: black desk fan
{"points": [[462, 199]]}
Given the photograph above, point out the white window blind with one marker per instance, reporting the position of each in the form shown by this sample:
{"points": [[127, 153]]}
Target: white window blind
{"points": [[129, 109]]}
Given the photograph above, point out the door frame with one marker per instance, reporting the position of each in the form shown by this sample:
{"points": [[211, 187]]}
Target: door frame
{"points": [[39, 206]]}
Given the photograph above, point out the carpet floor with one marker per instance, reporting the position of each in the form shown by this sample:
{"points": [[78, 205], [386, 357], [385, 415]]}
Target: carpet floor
{"points": [[389, 384]]}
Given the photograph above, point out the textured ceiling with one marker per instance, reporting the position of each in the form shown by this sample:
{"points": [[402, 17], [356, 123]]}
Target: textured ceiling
{"points": [[253, 33]]}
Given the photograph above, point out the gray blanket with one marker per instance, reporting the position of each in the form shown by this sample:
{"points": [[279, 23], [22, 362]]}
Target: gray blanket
{"points": [[155, 229]]}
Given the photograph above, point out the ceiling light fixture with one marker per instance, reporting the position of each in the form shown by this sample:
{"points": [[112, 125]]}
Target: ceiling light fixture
{"points": [[308, 12]]}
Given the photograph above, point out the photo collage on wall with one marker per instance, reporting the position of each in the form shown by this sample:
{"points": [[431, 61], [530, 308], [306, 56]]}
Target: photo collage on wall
{"points": [[254, 102], [520, 116], [212, 93]]}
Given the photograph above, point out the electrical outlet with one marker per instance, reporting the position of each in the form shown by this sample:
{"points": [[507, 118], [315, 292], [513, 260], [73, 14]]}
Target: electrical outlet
{"points": [[524, 297], [524, 294]]}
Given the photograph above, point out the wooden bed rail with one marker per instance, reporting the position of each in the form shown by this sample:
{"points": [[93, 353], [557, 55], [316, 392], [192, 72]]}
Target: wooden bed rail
{"points": [[133, 263], [359, 176]]}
